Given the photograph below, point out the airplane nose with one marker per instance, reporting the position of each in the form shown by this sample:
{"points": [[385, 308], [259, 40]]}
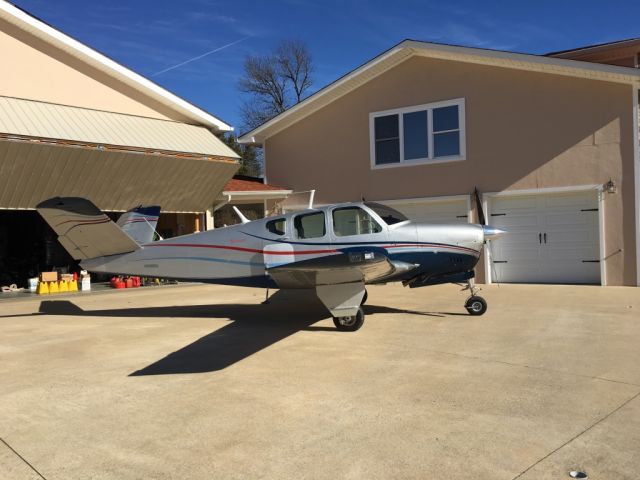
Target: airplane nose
{"points": [[491, 233]]}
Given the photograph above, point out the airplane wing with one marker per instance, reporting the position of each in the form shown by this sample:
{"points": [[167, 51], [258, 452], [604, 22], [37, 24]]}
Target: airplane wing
{"points": [[357, 266]]}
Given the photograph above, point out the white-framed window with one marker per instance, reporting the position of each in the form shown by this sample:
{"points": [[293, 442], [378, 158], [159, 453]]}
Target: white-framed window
{"points": [[421, 134]]}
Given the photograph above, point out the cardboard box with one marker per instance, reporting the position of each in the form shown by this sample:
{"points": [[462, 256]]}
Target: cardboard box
{"points": [[48, 276], [67, 277]]}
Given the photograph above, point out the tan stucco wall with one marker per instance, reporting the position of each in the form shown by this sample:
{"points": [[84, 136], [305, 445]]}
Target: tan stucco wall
{"points": [[524, 130], [35, 70]]}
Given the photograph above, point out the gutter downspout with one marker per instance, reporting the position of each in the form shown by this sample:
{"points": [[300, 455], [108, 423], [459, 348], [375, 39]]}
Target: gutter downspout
{"points": [[635, 92]]}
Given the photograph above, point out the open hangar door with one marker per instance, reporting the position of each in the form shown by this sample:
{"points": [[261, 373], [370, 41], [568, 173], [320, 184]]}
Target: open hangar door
{"points": [[433, 209], [552, 238]]}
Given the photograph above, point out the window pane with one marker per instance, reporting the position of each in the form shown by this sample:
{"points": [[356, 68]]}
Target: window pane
{"points": [[446, 144], [387, 151], [415, 135], [388, 214], [445, 118], [277, 226], [310, 225], [386, 127], [353, 221]]}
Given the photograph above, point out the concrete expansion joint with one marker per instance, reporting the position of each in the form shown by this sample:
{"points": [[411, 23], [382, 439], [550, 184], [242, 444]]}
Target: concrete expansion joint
{"points": [[22, 458], [544, 369], [597, 422]]}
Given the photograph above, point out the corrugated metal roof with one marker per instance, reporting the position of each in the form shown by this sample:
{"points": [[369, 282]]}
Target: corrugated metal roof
{"points": [[34, 119], [114, 180]]}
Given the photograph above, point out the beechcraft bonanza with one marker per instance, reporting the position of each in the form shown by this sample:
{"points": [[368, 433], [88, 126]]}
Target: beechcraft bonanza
{"points": [[336, 250]]}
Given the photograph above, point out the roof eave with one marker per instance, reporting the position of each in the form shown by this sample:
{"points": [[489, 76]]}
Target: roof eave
{"points": [[409, 48], [100, 61]]}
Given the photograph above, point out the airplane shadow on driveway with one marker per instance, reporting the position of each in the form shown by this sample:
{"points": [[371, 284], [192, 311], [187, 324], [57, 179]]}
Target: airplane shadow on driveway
{"points": [[253, 327]]}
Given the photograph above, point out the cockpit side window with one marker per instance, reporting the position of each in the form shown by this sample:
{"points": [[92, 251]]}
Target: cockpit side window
{"points": [[353, 221], [310, 225], [388, 214], [277, 226]]}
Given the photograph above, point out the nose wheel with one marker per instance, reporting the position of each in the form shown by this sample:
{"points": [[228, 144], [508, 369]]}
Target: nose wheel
{"points": [[476, 305]]}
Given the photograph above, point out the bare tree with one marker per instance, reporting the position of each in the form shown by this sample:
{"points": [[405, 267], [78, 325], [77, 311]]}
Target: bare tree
{"points": [[275, 82]]}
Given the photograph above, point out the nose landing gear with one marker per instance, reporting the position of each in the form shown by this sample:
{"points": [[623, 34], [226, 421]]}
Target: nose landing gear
{"points": [[475, 304]]}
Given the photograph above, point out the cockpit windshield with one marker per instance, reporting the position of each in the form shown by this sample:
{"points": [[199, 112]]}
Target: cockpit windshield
{"points": [[388, 214]]}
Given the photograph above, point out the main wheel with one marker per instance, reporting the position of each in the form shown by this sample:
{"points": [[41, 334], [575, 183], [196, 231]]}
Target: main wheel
{"points": [[349, 324], [476, 305], [364, 299]]}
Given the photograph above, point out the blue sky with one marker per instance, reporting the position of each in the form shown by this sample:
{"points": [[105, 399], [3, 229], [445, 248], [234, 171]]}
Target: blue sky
{"points": [[150, 36]]}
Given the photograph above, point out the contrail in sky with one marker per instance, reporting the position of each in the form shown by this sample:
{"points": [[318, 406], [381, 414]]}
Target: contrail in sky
{"points": [[200, 56]]}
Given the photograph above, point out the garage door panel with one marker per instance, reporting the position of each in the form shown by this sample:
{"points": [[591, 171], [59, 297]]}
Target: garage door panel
{"points": [[514, 204], [515, 221], [567, 251], [454, 211], [568, 201], [567, 218]]}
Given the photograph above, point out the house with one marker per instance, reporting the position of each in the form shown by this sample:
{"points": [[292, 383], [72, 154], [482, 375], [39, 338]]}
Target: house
{"points": [[550, 142], [74, 122]]}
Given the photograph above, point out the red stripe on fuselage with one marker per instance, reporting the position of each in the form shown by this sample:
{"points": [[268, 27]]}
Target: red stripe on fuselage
{"points": [[240, 249]]}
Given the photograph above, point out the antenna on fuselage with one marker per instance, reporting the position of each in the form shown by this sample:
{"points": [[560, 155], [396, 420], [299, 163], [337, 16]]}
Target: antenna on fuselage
{"points": [[312, 194], [243, 219]]}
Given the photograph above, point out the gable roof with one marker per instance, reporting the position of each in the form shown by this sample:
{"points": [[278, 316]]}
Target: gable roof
{"points": [[241, 183], [101, 62], [410, 48], [628, 42]]}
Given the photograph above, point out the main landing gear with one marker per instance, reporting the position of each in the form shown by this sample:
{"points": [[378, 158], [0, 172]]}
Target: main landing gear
{"points": [[350, 323], [475, 304]]}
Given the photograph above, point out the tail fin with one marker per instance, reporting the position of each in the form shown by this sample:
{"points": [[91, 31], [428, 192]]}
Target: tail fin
{"points": [[83, 230], [140, 223]]}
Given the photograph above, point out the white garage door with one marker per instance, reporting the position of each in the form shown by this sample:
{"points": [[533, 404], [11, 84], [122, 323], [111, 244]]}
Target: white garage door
{"points": [[551, 238], [432, 211]]}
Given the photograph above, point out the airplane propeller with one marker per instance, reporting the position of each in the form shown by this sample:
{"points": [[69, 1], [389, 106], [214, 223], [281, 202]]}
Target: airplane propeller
{"points": [[490, 232], [481, 218]]}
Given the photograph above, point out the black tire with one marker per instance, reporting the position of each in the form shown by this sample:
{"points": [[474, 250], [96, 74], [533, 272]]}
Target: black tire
{"points": [[350, 324], [364, 299], [476, 305]]}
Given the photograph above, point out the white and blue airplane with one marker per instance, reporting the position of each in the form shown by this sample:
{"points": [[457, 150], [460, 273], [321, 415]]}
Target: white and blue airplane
{"points": [[336, 250]]}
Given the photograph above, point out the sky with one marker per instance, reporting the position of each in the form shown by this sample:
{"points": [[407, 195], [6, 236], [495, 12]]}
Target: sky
{"points": [[196, 48]]}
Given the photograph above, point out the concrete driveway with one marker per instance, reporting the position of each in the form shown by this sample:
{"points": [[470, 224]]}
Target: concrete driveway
{"points": [[201, 382]]}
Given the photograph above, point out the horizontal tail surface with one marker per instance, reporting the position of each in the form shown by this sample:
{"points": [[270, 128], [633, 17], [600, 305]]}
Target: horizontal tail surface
{"points": [[140, 223], [83, 230]]}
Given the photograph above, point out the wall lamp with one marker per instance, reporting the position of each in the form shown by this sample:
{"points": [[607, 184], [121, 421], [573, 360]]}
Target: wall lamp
{"points": [[610, 186]]}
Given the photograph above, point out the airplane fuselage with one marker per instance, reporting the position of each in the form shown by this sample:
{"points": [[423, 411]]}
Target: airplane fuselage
{"points": [[244, 254]]}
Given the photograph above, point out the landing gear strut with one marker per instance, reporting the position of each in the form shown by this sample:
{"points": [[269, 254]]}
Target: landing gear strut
{"points": [[475, 304], [350, 324]]}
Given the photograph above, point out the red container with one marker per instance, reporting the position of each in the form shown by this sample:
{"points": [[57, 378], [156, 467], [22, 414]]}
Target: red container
{"points": [[120, 284], [129, 282]]}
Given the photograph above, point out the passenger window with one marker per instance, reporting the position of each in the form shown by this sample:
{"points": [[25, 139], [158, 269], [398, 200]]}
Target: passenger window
{"points": [[310, 225], [277, 227], [353, 221]]}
